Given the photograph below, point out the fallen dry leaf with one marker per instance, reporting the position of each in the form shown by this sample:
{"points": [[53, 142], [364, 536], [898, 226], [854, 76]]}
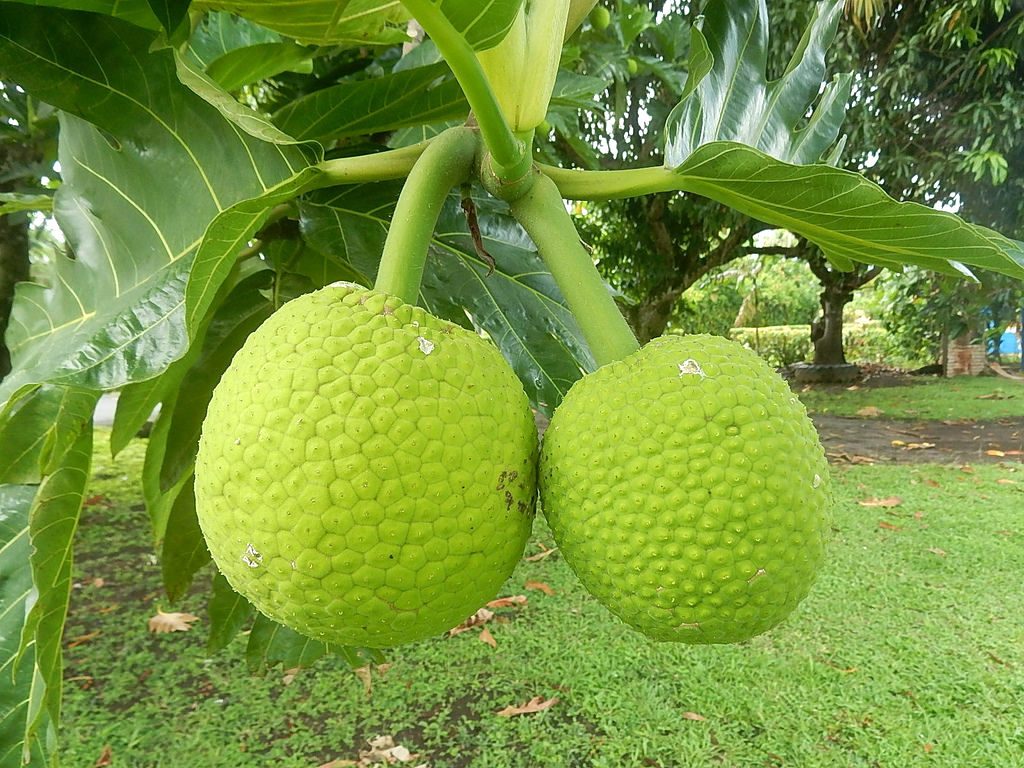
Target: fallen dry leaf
{"points": [[384, 750], [993, 396], [98, 499], [545, 552], [487, 637], [81, 639], [693, 716], [338, 764], [536, 704], [889, 526], [928, 747], [870, 411], [897, 443], [289, 675], [932, 483], [889, 501], [1006, 481], [171, 622], [937, 551], [995, 453], [106, 757], [365, 677], [482, 616], [918, 446], [507, 602], [540, 586]]}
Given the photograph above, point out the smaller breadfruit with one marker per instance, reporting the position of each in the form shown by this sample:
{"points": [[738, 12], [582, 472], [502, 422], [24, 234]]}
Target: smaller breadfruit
{"points": [[688, 490], [366, 472]]}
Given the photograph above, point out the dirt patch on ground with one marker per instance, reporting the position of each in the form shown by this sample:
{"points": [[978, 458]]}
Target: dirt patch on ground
{"points": [[856, 440]]}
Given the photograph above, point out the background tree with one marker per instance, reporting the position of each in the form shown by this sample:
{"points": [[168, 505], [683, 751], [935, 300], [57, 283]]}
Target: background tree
{"points": [[936, 111], [27, 150]]}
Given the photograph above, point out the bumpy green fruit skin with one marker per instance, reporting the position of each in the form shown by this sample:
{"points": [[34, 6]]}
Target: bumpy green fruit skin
{"points": [[688, 490], [366, 472]]}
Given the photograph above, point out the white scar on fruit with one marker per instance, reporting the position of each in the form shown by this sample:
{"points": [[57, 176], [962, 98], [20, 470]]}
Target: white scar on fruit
{"points": [[426, 345], [691, 367], [760, 572], [252, 558]]}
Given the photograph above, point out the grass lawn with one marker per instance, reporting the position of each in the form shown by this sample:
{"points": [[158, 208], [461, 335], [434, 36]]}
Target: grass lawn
{"points": [[909, 652], [962, 397]]}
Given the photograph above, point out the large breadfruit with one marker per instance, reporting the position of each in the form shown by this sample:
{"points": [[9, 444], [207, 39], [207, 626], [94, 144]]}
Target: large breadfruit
{"points": [[366, 473], [687, 489]]}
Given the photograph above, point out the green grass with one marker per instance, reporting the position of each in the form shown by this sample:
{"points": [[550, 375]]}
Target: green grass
{"points": [[962, 397], [909, 652]]}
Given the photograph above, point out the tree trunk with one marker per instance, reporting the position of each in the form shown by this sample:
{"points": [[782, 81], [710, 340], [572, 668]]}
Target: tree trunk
{"points": [[14, 268], [649, 318], [827, 330]]}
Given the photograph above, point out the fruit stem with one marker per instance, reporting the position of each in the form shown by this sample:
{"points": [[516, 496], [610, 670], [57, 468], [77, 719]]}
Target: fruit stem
{"points": [[511, 158], [542, 213], [610, 185], [446, 163], [378, 166]]}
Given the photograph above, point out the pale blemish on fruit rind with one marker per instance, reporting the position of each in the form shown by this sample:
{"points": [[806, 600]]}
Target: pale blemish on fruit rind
{"points": [[691, 367]]}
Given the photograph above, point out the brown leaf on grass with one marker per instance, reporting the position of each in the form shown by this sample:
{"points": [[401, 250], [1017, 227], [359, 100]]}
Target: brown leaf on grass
{"points": [[97, 500], [338, 764], [479, 618], [507, 602], [536, 704], [487, 637], [889, 501], [540, 586], [918, 446], [383, 750], [993, 452], [693, 716], [1006, 481], [82, 639], [289, 675], [840, 456], [365, 675], [889, 526], [106, 757], [937, 551], [870, 411], [932, 483], [928, 747], [545, 552], [171, 622], [993, 396], [967, 468]]}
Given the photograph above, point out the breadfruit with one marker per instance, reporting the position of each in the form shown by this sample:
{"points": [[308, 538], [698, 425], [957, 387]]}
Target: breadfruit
{"points": [[687, 488], [366, 471]]}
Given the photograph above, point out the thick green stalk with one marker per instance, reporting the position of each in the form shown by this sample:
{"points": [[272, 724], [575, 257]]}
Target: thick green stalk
{"points": [[542, 213], [379, 166], [511, 159], [447, 162], [610, 185]]}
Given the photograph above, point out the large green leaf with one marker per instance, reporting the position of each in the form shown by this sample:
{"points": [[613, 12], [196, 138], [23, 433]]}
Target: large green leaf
{"points": [[518, 306], [138, 12], [53, 519], [323, 22], [235, 52], [728, 96], [404, 98], [847, 216], [37, 524], [15, 590], [145, 172], [484, 23]]}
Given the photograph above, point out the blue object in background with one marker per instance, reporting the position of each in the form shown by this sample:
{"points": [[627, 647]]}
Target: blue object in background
{"points": [[1009, 344]]}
